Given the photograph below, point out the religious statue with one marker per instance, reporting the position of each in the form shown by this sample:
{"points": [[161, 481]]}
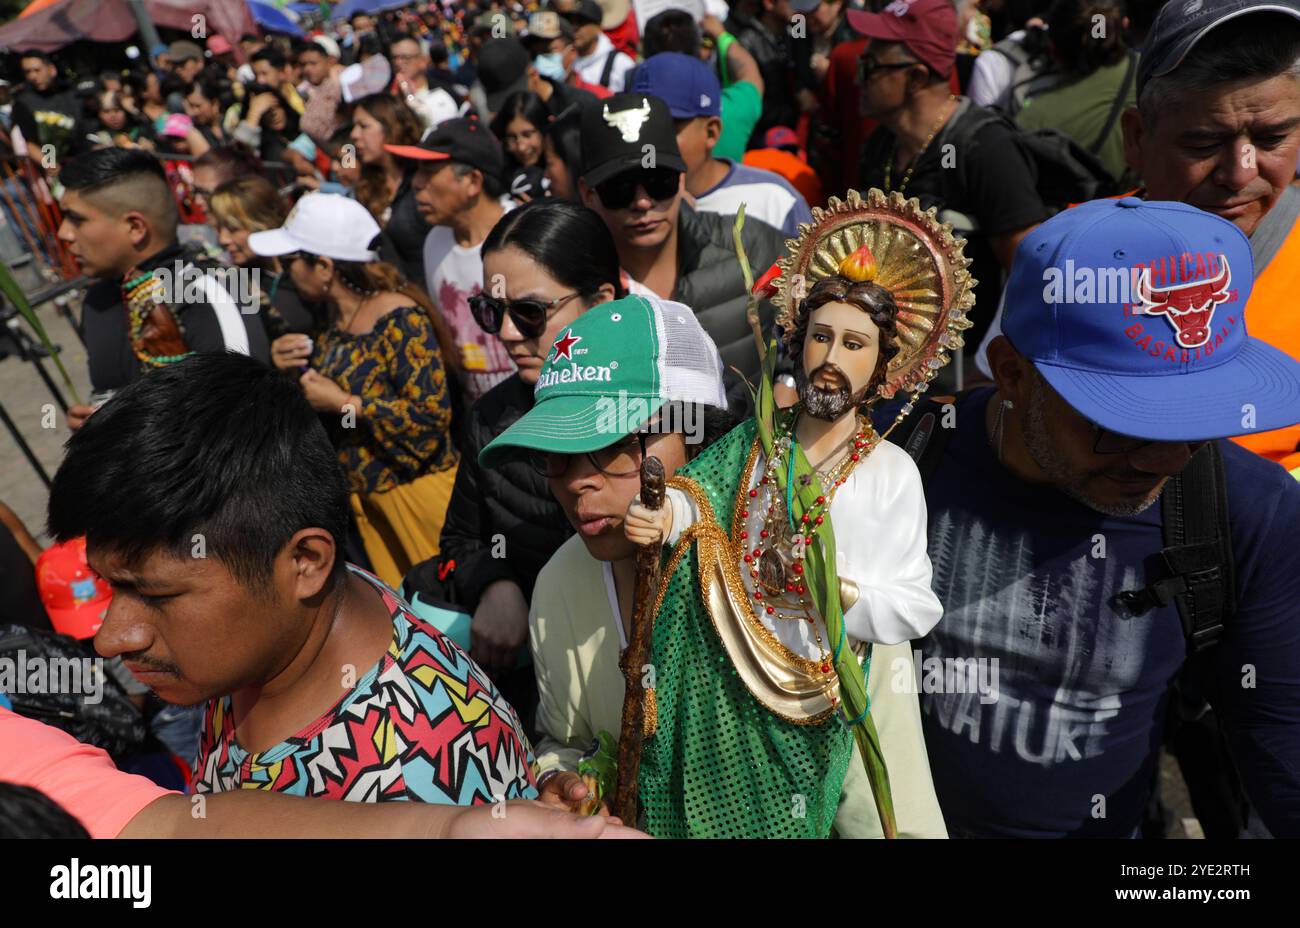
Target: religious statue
{"points": [[798, 540]]}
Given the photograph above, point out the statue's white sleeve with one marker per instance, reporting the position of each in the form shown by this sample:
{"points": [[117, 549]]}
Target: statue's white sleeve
{"points": [[684, 513], [884, 553]]}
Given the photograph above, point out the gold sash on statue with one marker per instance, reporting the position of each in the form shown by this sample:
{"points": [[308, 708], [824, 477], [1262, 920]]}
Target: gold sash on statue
{"points": [[788, 685]]}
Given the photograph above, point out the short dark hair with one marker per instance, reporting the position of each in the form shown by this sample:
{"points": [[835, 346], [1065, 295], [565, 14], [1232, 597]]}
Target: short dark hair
{"points": [[671, 31], [270, 54], [106, 167], [28, 813], [44, 56], [217, 444]]}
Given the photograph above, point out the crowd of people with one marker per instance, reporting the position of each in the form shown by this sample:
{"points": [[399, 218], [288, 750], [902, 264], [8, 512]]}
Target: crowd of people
{"points": [[432, 249]]}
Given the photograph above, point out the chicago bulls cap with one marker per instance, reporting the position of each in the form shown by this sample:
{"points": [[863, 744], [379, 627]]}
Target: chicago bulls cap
{"points": [[625, 132], [1134, 312]]}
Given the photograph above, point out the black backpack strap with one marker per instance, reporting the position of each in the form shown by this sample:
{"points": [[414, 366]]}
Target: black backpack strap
{"points": [[608, 70], [1197, 553], [1116, 107], [923, 436]]}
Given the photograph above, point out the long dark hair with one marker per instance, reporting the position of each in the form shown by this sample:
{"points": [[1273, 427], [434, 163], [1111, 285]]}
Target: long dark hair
{"points": [[1070, 25], [569, 240], [524, 105], [290, 130]]}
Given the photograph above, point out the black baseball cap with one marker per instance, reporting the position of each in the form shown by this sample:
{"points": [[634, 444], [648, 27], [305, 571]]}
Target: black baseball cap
{"points": [[586, 10], [502, 70], [1181, 24], [616, 131], [465, 140]]}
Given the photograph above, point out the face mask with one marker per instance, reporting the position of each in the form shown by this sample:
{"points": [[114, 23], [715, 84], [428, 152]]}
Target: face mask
{"points": [[550, 65]]}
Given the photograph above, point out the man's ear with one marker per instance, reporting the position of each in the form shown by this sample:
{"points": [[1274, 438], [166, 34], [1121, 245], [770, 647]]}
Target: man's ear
{"points": [[713, 131], [311, 553], [604, 295], [1131, 123], [138, 227], [1012, 371], [588, 195]]}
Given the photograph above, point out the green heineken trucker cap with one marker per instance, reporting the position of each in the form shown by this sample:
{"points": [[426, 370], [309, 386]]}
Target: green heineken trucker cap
{"points": [[609, 373]]}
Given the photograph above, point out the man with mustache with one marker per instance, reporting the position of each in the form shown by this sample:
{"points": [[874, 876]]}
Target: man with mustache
{"points": [[1217, 126], [1053, 560]]}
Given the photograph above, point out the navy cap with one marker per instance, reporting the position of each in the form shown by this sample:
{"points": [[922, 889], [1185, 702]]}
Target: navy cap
{"points": [[1180, 24], [1134, 311], [685, 83]]}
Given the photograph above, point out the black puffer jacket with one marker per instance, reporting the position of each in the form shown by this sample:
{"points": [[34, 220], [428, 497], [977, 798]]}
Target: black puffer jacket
{"points": [[511, 503], [710, 282]]}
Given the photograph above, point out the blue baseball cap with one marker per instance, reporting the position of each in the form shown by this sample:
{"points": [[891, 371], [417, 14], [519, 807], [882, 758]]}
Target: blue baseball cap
{"points": [[686, 84], [1134, 312]]}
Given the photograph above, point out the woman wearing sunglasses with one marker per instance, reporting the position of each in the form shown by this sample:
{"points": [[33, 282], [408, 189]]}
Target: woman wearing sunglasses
{"points": [[544, 264], [379, 375]]}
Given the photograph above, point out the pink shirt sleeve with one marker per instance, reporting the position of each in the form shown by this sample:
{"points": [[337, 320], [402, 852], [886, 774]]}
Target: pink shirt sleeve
{"points": [[77, 776]]}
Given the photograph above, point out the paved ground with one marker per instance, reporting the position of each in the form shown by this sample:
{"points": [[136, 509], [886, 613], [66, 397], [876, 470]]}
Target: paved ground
{"points": [[25, 398]]}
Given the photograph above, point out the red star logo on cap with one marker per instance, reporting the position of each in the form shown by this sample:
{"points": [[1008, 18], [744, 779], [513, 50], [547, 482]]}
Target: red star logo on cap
{"points": [[564, 345]]}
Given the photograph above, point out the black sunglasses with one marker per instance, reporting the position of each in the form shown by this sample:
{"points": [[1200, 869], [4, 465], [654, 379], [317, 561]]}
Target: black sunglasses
{"points": [[621, 459], [869, 66], [619, 191], [529, 316]]}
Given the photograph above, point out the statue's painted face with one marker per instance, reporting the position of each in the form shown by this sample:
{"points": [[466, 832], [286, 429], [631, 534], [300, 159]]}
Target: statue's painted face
{"points": [[840, 353]]}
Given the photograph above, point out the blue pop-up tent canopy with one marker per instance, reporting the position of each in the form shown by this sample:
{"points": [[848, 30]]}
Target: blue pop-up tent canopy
{"points": [[269, 16], [348, 7]]}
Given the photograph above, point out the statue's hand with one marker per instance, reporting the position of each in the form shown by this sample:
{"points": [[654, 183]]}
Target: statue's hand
{"points": [[645, 526]]}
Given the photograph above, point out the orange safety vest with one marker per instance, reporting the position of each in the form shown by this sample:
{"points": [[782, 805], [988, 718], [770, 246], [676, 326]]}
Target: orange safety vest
{"points": [[1272, 317]]}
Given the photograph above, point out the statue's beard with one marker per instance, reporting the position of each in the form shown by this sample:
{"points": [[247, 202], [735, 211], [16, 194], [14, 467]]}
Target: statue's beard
{"points": [[828, 403]]}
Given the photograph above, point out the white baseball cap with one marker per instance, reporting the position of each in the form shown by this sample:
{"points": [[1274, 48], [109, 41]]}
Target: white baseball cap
{"points": [[326, 224]]}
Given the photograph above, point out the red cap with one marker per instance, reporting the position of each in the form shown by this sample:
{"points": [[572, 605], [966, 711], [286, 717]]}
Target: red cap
{"points": [[75, 597], [218, 45], [927, 27]]}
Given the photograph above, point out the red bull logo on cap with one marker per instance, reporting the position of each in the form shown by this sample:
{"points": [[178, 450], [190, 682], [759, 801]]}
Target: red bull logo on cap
{"points": [[1189, 307]]}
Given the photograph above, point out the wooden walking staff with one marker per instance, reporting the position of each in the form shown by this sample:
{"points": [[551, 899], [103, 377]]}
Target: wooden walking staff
{"points": [[637, 654]]}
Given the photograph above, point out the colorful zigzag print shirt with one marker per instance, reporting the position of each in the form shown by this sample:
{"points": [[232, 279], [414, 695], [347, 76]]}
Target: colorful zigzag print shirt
{"points": [[424, 724]]}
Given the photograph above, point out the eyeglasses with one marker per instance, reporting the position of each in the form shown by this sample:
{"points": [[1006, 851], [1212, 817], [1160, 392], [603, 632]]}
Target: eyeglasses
{"points": [[869, 66], [529, 316], [1104, 441], [621, 459], [619, 191]]}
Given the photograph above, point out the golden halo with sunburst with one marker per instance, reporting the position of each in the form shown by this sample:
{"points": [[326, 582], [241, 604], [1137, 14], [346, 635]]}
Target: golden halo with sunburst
{"points": [[918, 260]]}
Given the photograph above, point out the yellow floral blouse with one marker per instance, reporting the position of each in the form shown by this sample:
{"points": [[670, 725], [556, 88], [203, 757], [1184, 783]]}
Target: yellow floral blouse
{"points": [[403, 430]]}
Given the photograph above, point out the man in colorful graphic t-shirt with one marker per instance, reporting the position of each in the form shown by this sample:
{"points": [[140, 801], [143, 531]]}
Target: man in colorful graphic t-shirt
{"points": [[424, 724], [230, 591]]}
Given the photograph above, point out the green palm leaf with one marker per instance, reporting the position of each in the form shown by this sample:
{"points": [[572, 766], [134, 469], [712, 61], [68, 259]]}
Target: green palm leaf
{"points": [[14, 293]]}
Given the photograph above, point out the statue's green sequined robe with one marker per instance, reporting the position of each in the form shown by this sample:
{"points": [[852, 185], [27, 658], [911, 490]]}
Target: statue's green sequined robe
{"points": [[720, 763]]}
